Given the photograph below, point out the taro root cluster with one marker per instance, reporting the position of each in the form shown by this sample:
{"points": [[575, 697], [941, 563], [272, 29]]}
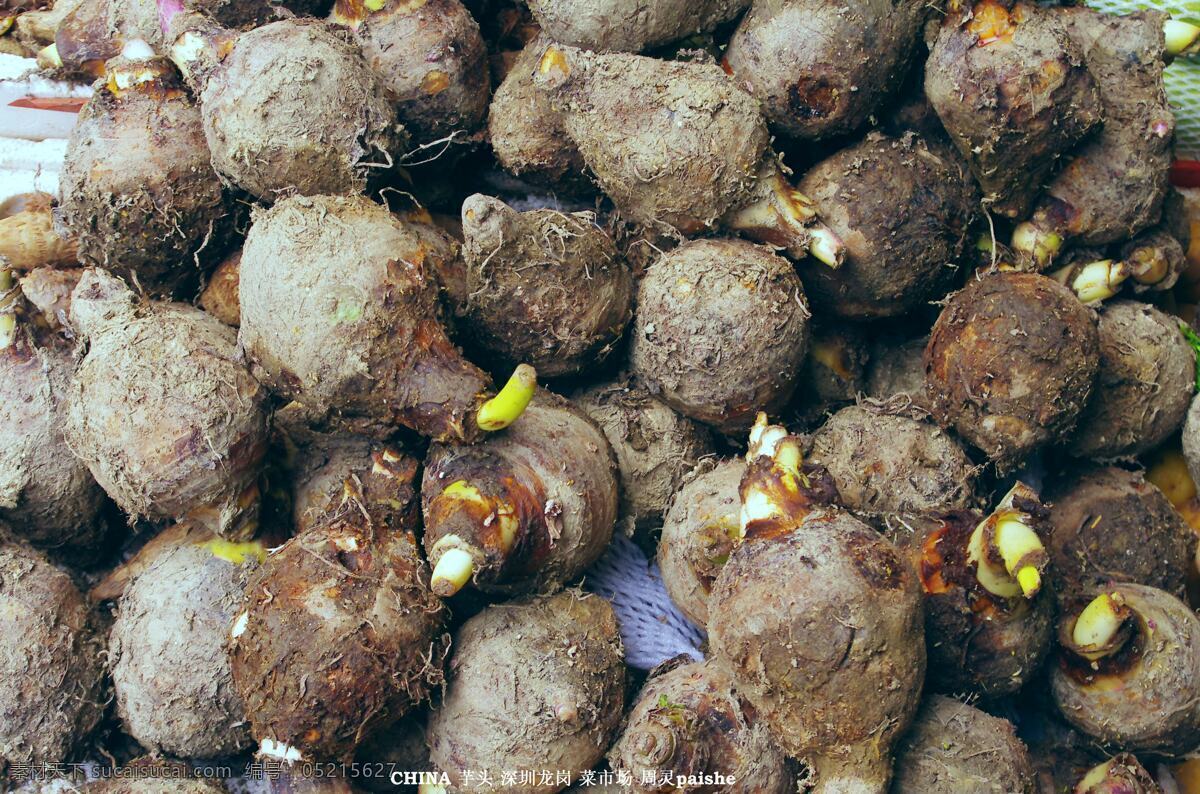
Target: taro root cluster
{"points": [[366, 344]]}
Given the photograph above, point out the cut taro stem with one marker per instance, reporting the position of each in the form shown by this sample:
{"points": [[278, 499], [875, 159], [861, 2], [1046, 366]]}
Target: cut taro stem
{"points": [[760, 502], [1008, 554], [1097, 631], [1095, 281], [1040, 246], [781, 216], [508, 405], [1183, 38], [1148, 265], [454, 568], [48, 57], [351, 13], [8, 318]]}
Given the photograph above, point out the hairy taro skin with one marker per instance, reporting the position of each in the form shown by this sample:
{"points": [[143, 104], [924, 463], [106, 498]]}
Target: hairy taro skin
{"points": [[138, 191], [1117, 181], [630, 25], [163, 409], [1010, 364], [169, 656], [689, 721], [381, 478], [655, 446], [1013, 99], [293, 107], [953, 747], [1109, 524], [697, 536], [431, 56], [545, 288], [904, 210], [720, 332], [368, 343], [670, 142], [52, 685], [833, 660], [889, 466], [1144, 385], [821, 69], [533, 684]]}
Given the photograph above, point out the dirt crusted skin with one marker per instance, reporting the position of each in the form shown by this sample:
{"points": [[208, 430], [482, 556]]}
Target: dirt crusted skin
{"points": [[339, 637], [1010, 364], [891, 465], [544, 287], [52, 693], [721, 331], [431, 56], [1116, 183], [977, 642], [698, 534], [163, 409], [629, 25], [1109, 524], [138, 191], [952, 747], [48, 290], [533, 684], [369, 343], [904, 210], [655, 446], [897, 368], [1143, 697], [1014, 92], [293, 107], [821, 69], [169, 657], [833, 661], [47, 494], [689, 721], [1122, 774], [1144, 385], [94, 31], [670, 142], [552, 475]]}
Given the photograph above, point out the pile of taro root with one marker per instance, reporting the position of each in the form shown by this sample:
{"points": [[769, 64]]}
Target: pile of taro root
{"points": [[355, 335]]}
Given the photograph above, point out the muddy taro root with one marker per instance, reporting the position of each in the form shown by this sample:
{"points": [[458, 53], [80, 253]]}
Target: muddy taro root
{"points": [[163, 408], [1010, 364], [821, 69], [529, 508], [721, 330], [832, 661], [537, 684], [1012, 89], [1111, 524], [544, 287], [630, 25]]}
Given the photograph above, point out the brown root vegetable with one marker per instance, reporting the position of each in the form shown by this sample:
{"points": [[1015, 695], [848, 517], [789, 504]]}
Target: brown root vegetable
{"points": [[1121, 774], [527, 135], [1116, 182], [163, 409], [527, 509], [381, 477], [897, 367], [698, 534], [139, 194], [400, 748], [220, 295], [833, 661], [953, 747], [270, 133], [1109, 524], [29, 240], [689, 723], [368, 344], [432, 58], [889, 466], [833, 372], [1128, 671], [720, 332], [1011, 87], [338, 637], [1144, 385], [51, 662], [48, 289], [988, 622], [630, 25], [1010, 364], [168, 655], [545, 287], [655, 446], [820, 69], [94, 31], [534, 685], [903, 209], [1156, 259]]}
